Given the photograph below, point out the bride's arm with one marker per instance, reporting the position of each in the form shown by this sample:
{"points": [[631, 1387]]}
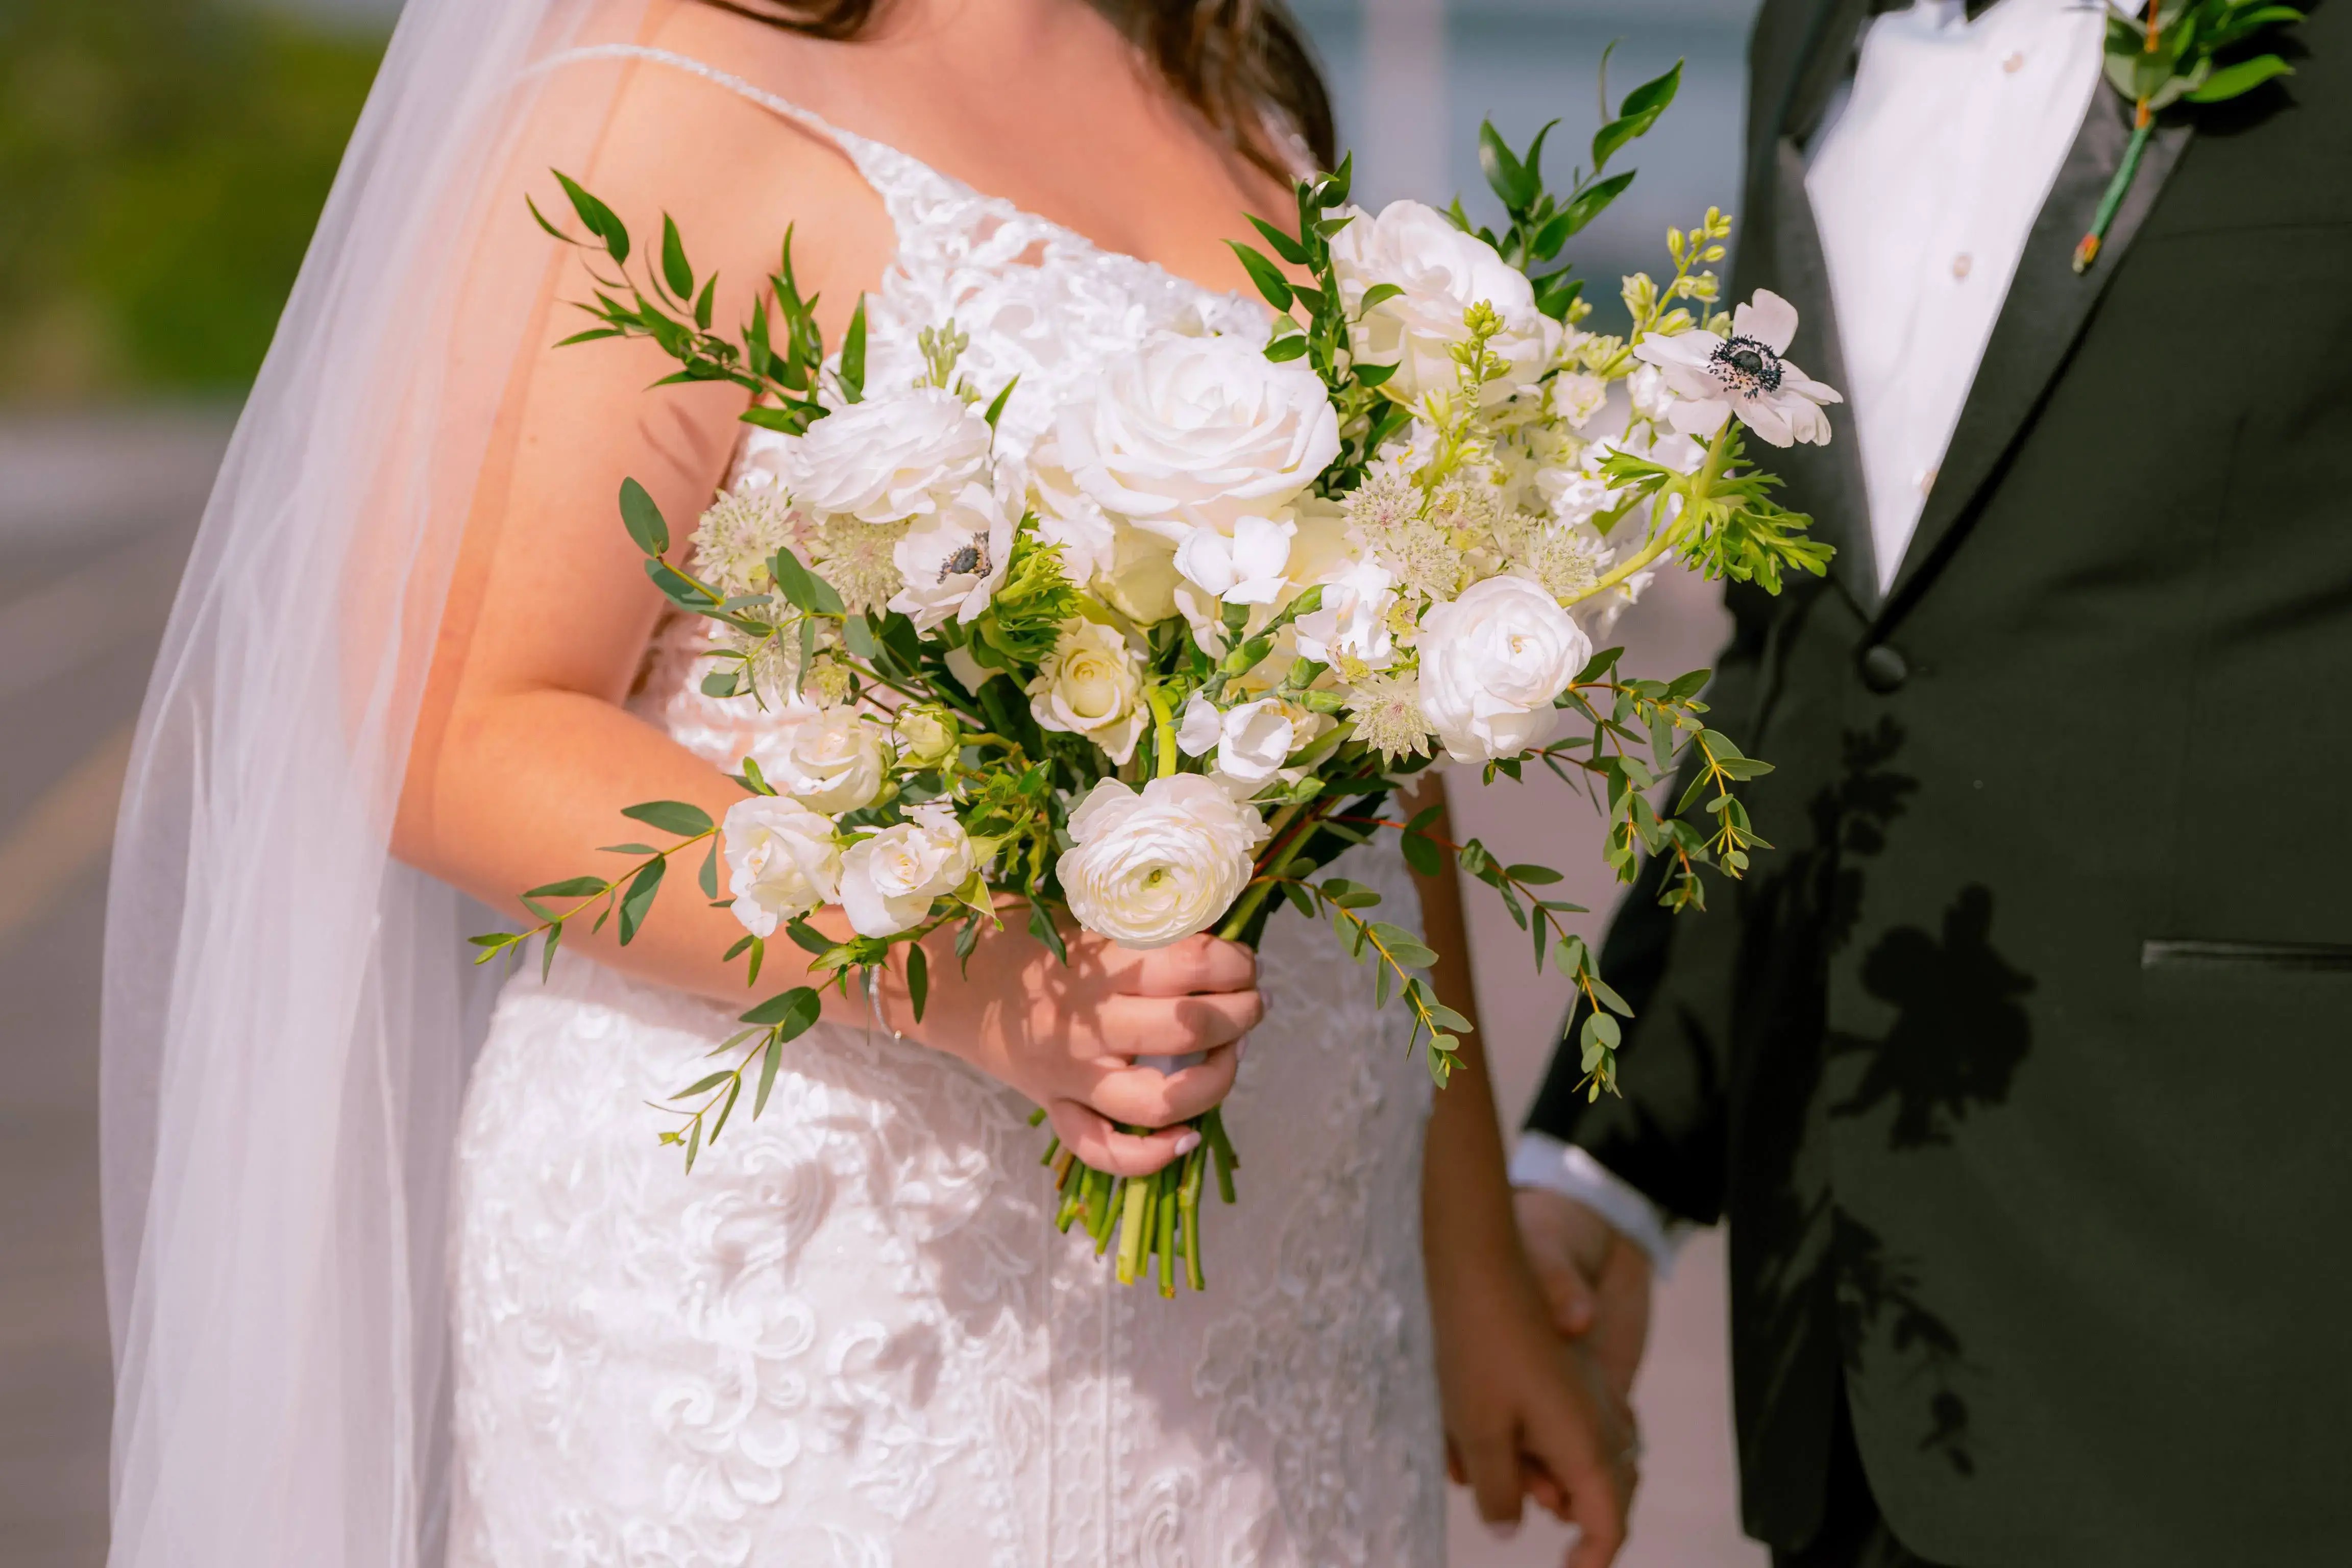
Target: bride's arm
{"points": [[524, 754], [1521, 1412]]}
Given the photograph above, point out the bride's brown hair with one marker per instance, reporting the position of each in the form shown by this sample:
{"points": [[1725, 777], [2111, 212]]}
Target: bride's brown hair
{"points": [[1231, 59]]}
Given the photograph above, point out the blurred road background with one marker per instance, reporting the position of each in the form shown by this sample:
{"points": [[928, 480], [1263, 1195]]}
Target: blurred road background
{"points": [[161, 163]]}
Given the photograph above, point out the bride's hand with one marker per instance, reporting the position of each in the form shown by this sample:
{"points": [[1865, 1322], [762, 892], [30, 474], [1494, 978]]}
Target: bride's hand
{"points": [[1066, 1036]]}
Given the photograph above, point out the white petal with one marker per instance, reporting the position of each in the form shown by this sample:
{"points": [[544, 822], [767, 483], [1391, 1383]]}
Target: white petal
{"points": [[1797, 380], [1768, 319], [1767, 417], [1692, 348], [1202, 727], [1699, 420]]}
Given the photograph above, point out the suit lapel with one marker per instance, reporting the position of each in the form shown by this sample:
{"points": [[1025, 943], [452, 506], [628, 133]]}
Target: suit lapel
{"points": [[2044, 314]]}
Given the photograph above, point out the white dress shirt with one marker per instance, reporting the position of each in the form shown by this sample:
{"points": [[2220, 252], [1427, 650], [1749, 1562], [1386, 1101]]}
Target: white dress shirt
{"points": [[1925, 182]]}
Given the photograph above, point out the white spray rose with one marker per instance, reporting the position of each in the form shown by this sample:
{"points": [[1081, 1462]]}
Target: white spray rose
{"points": [[830, 759], [1243, 567], [887, 458], [1353, 623], [1091, 685], [1443, 272], [887, 882], [954, 562], [1150, 868], [1187, 432], [1251, 740], [782, 861], [1491, 663]]}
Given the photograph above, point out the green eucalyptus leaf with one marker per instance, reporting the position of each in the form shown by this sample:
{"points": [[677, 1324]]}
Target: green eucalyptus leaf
{"points": [[788, 1012], [648, 529], [571, 887], [1285, 245], [852, 355], [681, 817], [1593, 200], [639, 901]]}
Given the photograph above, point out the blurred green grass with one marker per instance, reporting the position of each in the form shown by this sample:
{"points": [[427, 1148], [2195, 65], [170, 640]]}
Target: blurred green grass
{"points": [[161, 165]]}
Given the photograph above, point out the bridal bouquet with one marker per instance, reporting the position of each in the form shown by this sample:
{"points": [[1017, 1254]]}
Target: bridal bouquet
{"points": [[1162, 670]]}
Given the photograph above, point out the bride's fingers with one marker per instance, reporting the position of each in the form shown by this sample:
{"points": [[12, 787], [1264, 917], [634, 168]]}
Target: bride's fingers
{"points": [[1200, 962], [1598, 1489], [1103, 1146], [1146, 1096], [1175, 1025]]}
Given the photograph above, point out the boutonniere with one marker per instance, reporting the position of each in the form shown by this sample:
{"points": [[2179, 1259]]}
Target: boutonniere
{"points": [[2170, 57]]}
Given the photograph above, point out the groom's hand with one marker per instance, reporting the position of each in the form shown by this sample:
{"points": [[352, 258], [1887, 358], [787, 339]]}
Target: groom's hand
{"points": [[1595, 1281]]}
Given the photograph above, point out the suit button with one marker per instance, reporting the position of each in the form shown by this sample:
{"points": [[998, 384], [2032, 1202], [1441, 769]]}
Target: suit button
{"points": [[1884, 668]]}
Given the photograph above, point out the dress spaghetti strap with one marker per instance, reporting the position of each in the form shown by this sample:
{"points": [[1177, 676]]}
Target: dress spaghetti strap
{"points": [[859, 150]]}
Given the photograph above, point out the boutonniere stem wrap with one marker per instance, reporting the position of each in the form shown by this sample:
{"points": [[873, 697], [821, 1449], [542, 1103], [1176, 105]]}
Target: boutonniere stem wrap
{"points": [[2169, 55]]}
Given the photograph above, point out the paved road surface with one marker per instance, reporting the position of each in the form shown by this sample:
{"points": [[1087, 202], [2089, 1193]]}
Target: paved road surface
{"points": [[95, 518]]}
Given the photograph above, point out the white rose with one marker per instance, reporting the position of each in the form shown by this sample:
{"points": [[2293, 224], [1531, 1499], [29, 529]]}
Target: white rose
{"points": [[830, 760], [1142, 581], [1353, 622], [1443, 272], [887, 459], [1491, 663], [1243, 567], [1187, 432], [1091, 685], [1251, 741], [782, 861], [1068, 517], [1150, 868], [953, 563], [887, 882], [1577, 397]]}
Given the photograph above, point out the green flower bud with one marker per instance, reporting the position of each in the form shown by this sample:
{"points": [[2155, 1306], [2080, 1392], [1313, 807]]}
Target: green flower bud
{"points": [[928, 735]]}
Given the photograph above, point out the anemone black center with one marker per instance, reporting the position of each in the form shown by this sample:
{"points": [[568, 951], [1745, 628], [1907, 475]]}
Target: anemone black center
{"points": [[968, 561], [1747, 365]]}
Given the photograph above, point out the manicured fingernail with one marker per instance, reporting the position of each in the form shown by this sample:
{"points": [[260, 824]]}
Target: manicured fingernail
{"points": [[1187, 1142]]}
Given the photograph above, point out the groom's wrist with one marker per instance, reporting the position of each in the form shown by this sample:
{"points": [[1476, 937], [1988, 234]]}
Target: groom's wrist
{"points": [[1543, 1161]]}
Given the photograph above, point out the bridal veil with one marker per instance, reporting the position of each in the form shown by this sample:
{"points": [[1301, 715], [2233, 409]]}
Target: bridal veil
{"points": [[286, 1007]]}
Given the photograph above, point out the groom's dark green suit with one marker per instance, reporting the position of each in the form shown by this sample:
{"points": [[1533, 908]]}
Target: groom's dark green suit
{"points": [[2023, 1066]]}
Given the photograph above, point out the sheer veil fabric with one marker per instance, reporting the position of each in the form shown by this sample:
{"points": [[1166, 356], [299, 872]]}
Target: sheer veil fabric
{"points": [[286, 1007]]}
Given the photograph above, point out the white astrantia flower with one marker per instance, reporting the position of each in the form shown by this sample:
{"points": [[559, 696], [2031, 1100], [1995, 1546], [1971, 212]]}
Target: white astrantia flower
{"points": [[1715, 378], [887, 459], [1353, 623], [1150, 868], [1491, 663], [782, 861], [1251, 740], [860, 560], [737, 535], [953, 562], [1243, 566], [889, 880], [1386, 708], [1186, 432], [1443, 272], [829, 759], [1577, 396], [1091, 685]]}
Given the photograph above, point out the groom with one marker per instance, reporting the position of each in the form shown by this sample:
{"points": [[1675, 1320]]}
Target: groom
{"points": [[2022, 1068]]}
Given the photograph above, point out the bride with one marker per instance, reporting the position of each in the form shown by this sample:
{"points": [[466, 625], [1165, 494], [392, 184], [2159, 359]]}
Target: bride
{"points": [[376, 1302]]}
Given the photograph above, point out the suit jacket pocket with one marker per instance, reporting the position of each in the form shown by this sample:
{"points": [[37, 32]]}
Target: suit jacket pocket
{"points": [[2303, 957]]}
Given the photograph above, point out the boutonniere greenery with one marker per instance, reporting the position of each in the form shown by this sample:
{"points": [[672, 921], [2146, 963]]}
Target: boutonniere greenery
{"points": [[2172, 55]]}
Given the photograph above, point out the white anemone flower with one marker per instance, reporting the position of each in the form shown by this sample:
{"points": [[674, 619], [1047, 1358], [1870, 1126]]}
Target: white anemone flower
{"points": [[1714, 378]]}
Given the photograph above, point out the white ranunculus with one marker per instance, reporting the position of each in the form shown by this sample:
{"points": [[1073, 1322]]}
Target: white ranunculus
{"points": [[782, 861], [1577, 397], [1251, 741], [887, 459], [1187, 432], [1150, 868], [1353, 622], [1714, 378], [1091, 685], [829, 759], [887, 882], [954, 562], [1443, 272], [1243, 567], [1491, 663]]}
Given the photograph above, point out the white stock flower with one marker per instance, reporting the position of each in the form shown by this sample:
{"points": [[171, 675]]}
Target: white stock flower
{"points": [[1491, 663], [1714, 378], [1651, 398], [1577, 397], [830, 759], [1443, 272], [953, 563], [887, 882], [1091, 685], [1251, 741], [1185, 432], [889, 459], [1150, 868], [1353, 622], [782, 861], [1574, 495], [1243, 567]]}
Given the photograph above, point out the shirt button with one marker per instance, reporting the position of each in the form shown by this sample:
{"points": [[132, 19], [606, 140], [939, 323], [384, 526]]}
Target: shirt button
{"points": [[1961, 264], [2015, 64], [1884, 668]]}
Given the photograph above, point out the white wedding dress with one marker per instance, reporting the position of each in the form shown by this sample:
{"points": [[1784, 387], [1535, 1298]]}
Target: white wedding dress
{"points": [[851, 1338]]}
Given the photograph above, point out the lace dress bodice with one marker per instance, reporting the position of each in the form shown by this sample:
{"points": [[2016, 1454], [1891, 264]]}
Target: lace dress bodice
{"points": [[851, 1337]]}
